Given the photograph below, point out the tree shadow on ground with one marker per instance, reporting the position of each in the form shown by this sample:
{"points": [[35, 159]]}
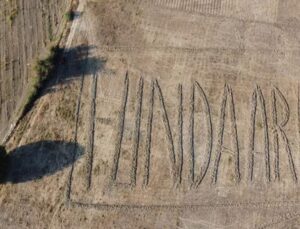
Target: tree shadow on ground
{"points": [[66, 65], [40, 159], [77, 62], [73, 63]]}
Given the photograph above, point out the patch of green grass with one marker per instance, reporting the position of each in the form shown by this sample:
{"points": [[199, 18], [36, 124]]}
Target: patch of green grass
{"points": [[69, 16]]}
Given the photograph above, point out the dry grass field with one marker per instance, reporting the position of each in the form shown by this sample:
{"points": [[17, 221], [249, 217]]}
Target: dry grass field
{"points": [[27, 29], [164, 114]]}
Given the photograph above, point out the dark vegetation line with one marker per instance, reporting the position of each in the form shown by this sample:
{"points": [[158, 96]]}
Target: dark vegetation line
{"points": [[90, 146], [43, 68]]}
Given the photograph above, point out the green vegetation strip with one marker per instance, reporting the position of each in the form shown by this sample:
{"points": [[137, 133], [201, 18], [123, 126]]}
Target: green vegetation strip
{"points": [[43, 69]]}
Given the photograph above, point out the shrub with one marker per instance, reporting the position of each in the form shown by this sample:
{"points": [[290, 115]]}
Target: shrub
{"points": [[44, 66], [69, 16], [13, 15]]}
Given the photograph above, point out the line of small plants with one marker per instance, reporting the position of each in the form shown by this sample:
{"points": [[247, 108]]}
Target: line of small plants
{"points": [[42, 69]]}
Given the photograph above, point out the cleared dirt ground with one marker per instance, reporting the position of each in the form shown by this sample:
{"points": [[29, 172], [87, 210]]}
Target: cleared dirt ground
{"points": [[166, 114]]}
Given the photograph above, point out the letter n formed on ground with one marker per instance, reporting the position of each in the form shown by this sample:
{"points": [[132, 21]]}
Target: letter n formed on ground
{"points": [[136, 139], [175, 157]]}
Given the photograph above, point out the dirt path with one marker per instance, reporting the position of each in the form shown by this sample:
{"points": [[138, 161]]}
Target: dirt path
{"points": [[76, 24]]}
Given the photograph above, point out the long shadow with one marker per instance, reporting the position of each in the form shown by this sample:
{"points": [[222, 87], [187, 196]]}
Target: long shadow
{"points": [[40, 159], [66, 65], [76, 62]]}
